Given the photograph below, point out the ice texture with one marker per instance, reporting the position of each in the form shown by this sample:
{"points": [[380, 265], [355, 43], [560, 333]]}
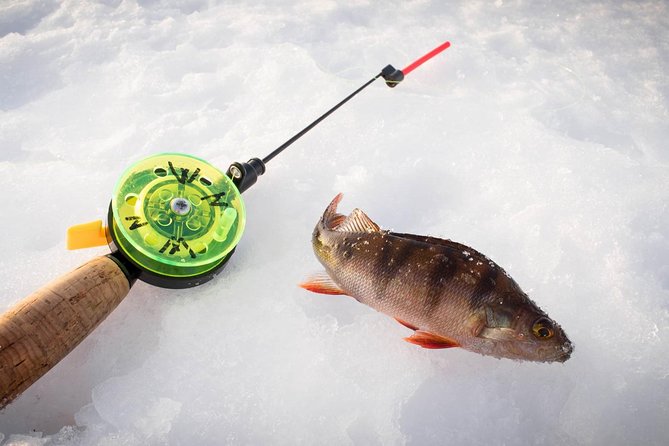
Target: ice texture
{"points": [[539, 138]]}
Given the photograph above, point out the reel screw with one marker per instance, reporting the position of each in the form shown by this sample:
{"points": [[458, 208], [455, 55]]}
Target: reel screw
{"points": [[180, 206]]}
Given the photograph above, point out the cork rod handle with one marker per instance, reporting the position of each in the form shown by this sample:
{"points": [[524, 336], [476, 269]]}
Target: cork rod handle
{"points": [[44, 327]]}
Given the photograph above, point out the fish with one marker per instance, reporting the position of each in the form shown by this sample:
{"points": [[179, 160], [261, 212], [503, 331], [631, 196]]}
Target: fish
{"points": [[449, 294]]}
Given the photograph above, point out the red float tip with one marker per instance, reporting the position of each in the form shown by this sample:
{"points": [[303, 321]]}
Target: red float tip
{"points": [[420, 61]]}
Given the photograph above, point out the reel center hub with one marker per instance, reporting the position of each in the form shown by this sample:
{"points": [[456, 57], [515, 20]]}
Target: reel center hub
{"points": [[180, 206]]}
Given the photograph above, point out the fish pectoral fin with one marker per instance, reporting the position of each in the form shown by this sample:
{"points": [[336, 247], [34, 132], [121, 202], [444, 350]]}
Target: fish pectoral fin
{"points": [[430, 340], [358, 221], [476, 324], [321, 283], [498, 334], [406, 324]]}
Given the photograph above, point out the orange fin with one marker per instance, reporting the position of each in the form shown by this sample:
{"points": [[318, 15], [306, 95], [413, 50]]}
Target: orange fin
{"points": [[406, 324], [430, 340], [321, 283]]}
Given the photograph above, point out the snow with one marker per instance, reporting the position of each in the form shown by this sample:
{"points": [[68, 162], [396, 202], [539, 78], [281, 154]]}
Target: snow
{"points": [[538, 138]]}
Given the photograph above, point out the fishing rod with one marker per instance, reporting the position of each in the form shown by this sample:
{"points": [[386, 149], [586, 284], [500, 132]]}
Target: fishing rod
{"points": [[390, 74], [174, 221]]}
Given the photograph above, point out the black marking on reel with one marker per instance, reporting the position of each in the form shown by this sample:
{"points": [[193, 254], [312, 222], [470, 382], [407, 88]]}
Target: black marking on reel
{"points": [[176, 246], [135, 222], [184, 178], [216, 199]]}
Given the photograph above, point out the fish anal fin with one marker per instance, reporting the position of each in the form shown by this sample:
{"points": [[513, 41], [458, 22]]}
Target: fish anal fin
{"points": [[322, 283], [358, 221], [406, 324], [430, 340]]}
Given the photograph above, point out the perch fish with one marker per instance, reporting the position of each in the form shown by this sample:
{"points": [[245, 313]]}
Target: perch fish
{"points": [[449, 294]]}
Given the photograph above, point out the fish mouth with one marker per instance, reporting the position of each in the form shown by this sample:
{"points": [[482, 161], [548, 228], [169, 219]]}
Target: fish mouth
{"points": [[529, 351], [563, 352]]}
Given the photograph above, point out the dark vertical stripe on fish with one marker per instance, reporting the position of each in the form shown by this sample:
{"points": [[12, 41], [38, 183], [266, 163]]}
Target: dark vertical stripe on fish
{"points": [[486, 284], [442, 270], [398, 255], [394, 255], [386, 263]]}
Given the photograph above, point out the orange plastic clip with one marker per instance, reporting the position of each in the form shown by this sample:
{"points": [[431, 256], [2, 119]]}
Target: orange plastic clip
{"points": [[86, 235]]}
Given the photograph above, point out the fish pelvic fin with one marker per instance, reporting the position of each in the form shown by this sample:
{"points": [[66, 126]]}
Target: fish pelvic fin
{"points": [[321, 283], [430, 340], [406, 324], [358, 221]]}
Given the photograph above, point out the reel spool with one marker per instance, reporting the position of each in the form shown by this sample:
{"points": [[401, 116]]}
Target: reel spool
{"points": [[176, 218]]}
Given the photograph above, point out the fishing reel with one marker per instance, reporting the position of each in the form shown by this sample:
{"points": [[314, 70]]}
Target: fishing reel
{"points": [[174, 219]]}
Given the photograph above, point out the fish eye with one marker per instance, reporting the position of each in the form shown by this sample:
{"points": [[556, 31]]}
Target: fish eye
{"points": [[543, 329]]}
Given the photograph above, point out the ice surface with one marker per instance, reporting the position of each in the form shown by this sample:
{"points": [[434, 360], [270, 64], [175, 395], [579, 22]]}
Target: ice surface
{"points": [[538, 138]]}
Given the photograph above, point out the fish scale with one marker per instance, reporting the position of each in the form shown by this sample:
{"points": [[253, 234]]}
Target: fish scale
{"points": [[449, 293]]}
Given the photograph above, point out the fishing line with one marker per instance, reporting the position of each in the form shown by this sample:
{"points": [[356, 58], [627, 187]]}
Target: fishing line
{"points": [[392, 77]]}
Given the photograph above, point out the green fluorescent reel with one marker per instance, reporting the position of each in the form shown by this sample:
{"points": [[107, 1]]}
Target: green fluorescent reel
{"points": [[177, 218]]}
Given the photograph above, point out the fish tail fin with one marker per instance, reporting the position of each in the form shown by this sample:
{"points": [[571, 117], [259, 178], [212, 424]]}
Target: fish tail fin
{"points": [[331, 219], [357, 221]]}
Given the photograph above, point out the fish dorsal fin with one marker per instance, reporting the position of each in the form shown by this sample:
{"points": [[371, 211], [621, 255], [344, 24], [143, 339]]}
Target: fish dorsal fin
{"points": [[321, 283], [358, 221]]}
